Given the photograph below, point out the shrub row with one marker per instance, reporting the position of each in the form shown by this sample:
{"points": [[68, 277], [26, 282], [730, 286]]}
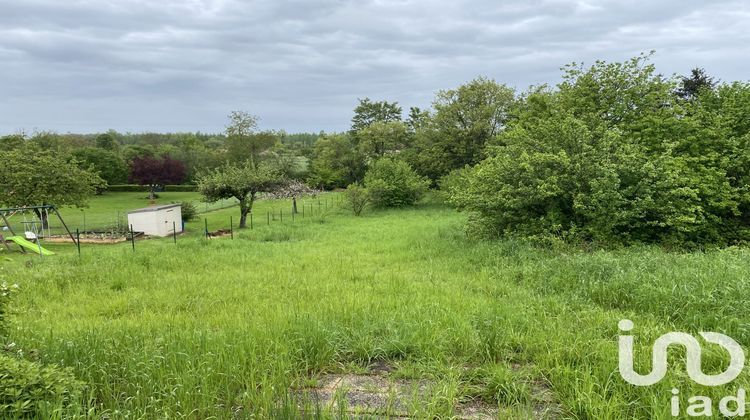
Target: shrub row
{"points": [[143, 188]]}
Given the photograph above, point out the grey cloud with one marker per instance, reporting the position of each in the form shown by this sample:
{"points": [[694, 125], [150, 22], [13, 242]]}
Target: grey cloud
{"points": [[136, 65]]}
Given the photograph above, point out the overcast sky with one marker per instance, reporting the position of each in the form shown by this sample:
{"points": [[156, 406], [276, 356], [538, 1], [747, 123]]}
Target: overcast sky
{"points": [[182, 65]]}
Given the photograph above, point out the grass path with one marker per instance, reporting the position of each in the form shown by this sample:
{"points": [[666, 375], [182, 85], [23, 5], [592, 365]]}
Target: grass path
{"points": [[221, 328]]}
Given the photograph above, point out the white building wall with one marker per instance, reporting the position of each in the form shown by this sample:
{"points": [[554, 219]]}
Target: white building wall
{"points": [[157, 222], [142, 222]]}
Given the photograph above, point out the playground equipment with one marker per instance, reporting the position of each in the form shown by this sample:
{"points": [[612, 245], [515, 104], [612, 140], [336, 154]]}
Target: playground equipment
{"points": [[34, 229], [33, 247]]}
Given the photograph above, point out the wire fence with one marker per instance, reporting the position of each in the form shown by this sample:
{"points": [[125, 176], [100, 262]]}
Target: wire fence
{"points": [[110, 225]]}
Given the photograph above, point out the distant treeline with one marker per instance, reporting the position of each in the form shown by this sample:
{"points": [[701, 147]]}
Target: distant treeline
{"points": [[111, 154], [615, 153]]}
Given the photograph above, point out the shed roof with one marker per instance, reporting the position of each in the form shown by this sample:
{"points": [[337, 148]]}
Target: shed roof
{"points": [[154, 208]]}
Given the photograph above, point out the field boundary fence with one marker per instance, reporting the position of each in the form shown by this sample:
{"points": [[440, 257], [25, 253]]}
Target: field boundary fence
{"points": [[115, 224]]}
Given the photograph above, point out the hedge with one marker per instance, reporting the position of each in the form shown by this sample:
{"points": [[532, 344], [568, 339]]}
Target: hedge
{"points": [[144, 188]]}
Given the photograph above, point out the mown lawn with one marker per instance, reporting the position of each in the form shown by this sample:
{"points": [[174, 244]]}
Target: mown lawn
{"points": [[103, 211], [221, 328]]}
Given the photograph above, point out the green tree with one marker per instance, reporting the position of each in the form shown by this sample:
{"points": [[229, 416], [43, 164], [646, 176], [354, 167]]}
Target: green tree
{"points": [[337, 162], [393, 183], [382, 138], [47, 140], [33, 177], [105, 163], [691, 86], [242, 181], [107, 141], [133, 151], [418, 119], [356, 197], [469, 116], [722, 143], [195, 153], [428, 154], [243, 142], [368, 112]]}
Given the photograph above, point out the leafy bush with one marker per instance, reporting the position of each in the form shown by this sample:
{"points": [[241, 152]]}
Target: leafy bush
{"points": [[28, 389], [31, 390], [393, 183], [455, 180], [6, 294], [357, 198], [189, 211], [613, 156]]}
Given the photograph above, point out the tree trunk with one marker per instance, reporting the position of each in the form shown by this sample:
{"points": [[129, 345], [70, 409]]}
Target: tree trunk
{"points": [[151, 191], [244, 210], [42, 215], [246, 206]]}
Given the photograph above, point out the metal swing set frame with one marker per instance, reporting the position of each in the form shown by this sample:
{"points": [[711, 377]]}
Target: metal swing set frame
{"points": [[7, 213]]}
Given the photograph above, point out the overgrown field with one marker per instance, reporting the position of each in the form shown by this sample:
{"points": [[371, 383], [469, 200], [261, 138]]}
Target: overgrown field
{"points": [[221, 328]]}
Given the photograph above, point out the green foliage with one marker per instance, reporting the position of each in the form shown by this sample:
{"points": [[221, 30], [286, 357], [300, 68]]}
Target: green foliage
{"points": [[107, 141], [30, 390], [468, 117], [611, 157], [417, 119], [15, 141], [6, 296], [103, 162], [456, 181], [30, 176], [428, 154], [241, 181], [243, 142], [368, 112], [288, 163], [357, 198], [393, 183], [336, 162], [693, 86], [465, 120], [253, 147], [189, 211], [382, 138], [238, 181]]}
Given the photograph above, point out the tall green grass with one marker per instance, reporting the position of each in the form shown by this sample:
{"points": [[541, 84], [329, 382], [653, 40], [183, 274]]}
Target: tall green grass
{"points": [[220, 328]]}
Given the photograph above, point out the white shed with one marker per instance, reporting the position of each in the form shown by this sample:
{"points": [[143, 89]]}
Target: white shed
{"points": [[157, 220]]}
